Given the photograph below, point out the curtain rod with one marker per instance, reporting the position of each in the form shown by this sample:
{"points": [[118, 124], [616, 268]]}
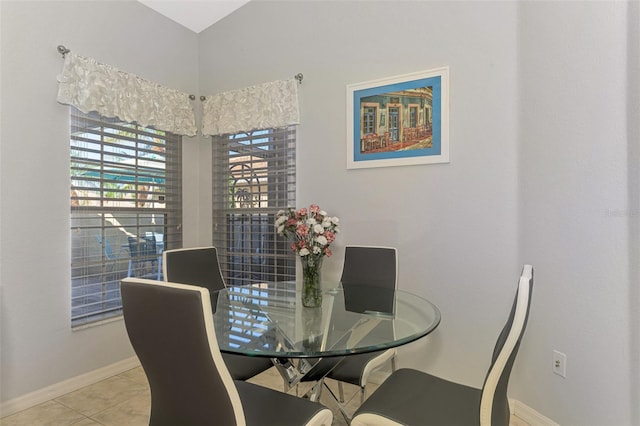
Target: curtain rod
{"points": [[63, 51]]}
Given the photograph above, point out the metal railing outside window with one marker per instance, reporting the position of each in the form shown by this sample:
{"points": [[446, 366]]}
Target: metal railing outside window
{"points": [[254, 176]]}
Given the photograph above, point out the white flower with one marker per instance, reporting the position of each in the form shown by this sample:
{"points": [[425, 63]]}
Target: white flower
{"points": [[311, 244]]}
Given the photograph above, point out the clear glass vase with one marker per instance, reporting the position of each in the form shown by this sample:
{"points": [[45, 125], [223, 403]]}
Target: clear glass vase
{"points": [[311, 281]]}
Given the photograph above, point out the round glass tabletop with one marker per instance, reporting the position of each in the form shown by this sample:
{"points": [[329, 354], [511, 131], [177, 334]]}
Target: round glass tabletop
{"points": [[269, 320]]}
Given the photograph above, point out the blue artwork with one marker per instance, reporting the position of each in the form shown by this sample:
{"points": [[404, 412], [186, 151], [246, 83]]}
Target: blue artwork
{"points": [[403, 119]]}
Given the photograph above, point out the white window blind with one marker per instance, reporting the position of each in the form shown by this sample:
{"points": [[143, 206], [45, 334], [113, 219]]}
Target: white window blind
{"points": [[254, 176], [126, 208]]}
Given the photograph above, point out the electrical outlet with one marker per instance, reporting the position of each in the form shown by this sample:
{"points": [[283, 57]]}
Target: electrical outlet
{"points": [[559, 364]]}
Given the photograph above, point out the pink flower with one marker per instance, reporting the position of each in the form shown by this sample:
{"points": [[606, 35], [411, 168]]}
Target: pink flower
{"points": [[302, 230], [310, 229], [291, 222]]}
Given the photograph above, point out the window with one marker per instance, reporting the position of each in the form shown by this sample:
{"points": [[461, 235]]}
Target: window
{"points": [[126, 207], [413, 116], [254, 176], [369, 120]]}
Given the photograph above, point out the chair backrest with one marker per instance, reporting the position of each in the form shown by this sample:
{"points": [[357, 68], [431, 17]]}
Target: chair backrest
{"points": [[370, 265], [369, 278], [148, 246], [107, 247], [196, 266], [134, 246], [494, 405], [171, 329]]}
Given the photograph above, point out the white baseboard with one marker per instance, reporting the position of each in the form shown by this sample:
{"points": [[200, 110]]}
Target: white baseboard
{"points": [[58, 389], [529, 415]]}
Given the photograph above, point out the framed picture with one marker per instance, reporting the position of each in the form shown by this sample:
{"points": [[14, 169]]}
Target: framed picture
{"points": [[399, 121]]}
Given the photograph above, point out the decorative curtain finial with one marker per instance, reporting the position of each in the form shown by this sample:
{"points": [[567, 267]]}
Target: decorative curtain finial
{"points": [[63, 50]]}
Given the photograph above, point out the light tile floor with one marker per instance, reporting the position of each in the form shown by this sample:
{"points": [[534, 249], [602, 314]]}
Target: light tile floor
{"points": [[124, 400]]}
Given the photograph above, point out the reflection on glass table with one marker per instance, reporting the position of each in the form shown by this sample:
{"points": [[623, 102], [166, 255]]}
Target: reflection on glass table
{"points": [[269, 320]]}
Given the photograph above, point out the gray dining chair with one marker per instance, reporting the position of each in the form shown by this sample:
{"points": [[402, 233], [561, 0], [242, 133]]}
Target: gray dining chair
{"points": [[199, 266], [369, 278], [171, 329], [110, 256], [141, 251], [412, 397], [366, 266]]}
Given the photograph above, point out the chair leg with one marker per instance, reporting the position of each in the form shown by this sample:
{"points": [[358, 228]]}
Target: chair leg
{"points": [[393, 364], [341, 392], [316, 391], [341, 406], [287, 370]]}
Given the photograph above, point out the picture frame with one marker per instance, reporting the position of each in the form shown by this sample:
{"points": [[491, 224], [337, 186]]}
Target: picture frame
{"points": [[399, 121]]}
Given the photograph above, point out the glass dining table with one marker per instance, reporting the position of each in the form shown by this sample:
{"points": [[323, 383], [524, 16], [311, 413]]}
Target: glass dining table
{"points": [[268, 320]]}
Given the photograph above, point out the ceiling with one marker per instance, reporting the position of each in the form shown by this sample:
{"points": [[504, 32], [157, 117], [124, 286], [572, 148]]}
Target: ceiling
{"points": [[197, 15]]}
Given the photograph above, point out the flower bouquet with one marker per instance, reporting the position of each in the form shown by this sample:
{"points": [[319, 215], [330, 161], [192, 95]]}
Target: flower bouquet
{"points": [[311, 232]]}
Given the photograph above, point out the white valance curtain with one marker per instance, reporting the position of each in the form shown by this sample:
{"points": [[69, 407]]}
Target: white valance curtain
{"points": [[91, 86], [266, 106]]}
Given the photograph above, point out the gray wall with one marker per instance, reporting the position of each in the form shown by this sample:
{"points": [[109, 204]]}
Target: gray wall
{"points": [[455, 225], [38, 347], [538, 174], [543, 111], [578, 64]]}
